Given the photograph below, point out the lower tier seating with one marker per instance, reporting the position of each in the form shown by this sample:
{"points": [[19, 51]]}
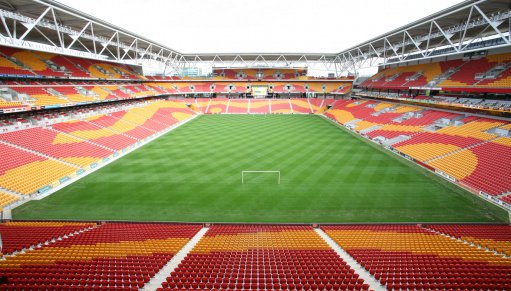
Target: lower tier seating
{"points": [[280, 106], [66, 146], [493, 237], [263, 257], [485, 167], [239, 106], [96, 134], [19, 235], [58, 145], [506, 199], [126, 256], [259, 106], [218, 105], [465, 148], [112, 256], [18, 164], [408, 257], [6, 199], [300, 105]]}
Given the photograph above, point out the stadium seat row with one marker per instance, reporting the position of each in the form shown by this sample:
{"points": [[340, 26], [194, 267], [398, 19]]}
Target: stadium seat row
{"points": [[467, 149], [59, 151], [113, 256], [409, 257], [476, 74], [125, 256], [14, 61]]}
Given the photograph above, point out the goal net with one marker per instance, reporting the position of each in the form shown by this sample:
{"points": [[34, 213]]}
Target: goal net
{"points": [[243, 173]]}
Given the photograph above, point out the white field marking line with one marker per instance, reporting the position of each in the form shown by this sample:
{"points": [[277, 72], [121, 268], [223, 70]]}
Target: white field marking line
{"points": [[248, 171]]}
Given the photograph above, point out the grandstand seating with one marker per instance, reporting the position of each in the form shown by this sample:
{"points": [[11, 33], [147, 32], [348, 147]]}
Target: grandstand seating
{"points": [[280, 106], [426, 145], [71, 144], [476, 102], [408, 257], [125, 256], [263, 257], [218, 105], [96, 134], [18, 164], [465, 150], [458, 75], [141, 120], [118, 125], [301, 105], [253, 74], [65, 93], [12, 104], [317, 105], [507, 199], [239, 106], [9, 64], [50, 65], [111, 256], [57, 145], [20, 235], [484, 167], [39, 96], [6, 199], [259, 106], [493, 237]]}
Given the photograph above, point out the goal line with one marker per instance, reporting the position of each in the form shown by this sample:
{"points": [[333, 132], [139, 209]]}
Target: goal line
{"points": [[246, 171]]}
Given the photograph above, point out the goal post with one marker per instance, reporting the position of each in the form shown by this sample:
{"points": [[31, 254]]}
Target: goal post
{"points": [[247, 171]]}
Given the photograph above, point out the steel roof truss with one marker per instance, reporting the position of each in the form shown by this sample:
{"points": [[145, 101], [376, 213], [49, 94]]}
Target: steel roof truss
{"points": [[494, 24]]}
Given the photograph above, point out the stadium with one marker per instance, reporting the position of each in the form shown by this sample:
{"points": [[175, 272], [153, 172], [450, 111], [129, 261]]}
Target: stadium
{"points": [[254, 171]]}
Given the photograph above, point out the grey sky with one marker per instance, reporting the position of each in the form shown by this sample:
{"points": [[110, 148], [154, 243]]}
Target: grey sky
{"points": [[259, 25]]}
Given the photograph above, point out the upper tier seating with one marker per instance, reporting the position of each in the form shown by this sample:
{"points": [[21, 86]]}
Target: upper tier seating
{"points": [[15, 61], [484, 74], [9, 65], [112, 256], [408, 257], [262, 74], [263, 257]]}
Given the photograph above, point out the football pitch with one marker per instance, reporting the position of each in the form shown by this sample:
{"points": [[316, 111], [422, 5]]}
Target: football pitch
{"points": [[193, 174]]}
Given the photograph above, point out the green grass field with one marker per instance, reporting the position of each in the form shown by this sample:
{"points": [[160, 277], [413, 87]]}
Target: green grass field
{"points": [[328, 175]]}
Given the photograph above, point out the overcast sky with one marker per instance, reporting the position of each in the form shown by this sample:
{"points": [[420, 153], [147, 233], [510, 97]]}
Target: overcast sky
{"points": [[193, 26]]}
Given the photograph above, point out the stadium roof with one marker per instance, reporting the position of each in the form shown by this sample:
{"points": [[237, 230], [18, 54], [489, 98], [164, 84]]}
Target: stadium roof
{"points": [[468, 26]]}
